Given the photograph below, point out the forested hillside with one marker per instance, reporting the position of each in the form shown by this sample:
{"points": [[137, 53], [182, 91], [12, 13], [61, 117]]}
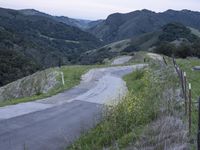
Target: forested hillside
{"points": [[28, 43], [122, 26]]}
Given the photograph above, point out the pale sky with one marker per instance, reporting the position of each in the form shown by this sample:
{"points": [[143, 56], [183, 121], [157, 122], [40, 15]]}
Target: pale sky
{"points": [[98, 9]]}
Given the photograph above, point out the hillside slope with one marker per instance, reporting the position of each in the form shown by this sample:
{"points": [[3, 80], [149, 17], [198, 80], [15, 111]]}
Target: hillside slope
{"points": [[122, 26], [173, 38], [38, 42]]}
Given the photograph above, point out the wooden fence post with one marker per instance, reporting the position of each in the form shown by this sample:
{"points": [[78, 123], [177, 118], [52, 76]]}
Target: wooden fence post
{"points": [[190, 109], [198, 134], [178, 70], [182, 84], [185, 91], [62, 77]]}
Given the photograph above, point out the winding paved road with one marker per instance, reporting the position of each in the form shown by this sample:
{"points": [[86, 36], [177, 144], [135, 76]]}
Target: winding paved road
{"points": [[54, 123]]}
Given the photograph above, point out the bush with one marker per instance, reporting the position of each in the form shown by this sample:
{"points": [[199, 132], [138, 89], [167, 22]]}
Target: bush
{"points": [[165, 48], [175, 31]]}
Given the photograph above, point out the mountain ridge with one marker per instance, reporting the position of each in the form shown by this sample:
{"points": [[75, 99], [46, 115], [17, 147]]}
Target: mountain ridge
{"points": [[80, 23], [120, 26]]}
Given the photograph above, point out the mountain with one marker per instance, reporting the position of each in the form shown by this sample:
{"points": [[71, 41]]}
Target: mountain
{"points": [[122, 26], [172, 39], [32, 42], [80, 23]]}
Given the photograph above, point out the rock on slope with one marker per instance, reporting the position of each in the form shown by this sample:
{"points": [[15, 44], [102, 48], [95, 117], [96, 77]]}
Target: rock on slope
{"points": [[39, 82]]}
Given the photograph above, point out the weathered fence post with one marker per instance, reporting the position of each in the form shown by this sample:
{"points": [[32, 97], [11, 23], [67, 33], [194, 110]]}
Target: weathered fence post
{"points": [[178, 70], [182, 84], [185, 90], [198, 134], [190, 109], [62, 77]]}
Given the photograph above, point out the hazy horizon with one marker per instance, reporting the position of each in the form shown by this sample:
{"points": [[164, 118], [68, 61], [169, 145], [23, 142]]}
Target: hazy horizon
{"points": [[98, 9]]}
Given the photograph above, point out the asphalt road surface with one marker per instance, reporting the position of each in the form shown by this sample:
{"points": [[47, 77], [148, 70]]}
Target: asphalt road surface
{"points": [[54, 123]]}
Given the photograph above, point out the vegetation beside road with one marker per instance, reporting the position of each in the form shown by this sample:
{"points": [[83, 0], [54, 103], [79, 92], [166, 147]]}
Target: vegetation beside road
{"points": [[120, 120], [124, 123]]}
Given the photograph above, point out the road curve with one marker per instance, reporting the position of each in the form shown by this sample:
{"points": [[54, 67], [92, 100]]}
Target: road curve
{"points": [[54, 123], [121, 60]]}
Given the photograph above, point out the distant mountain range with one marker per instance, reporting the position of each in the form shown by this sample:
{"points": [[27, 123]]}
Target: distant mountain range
{"points": [[119, 26], [122, 26], [80, 23]]}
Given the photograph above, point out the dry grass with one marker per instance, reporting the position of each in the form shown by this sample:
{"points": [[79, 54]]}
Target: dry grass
{"points": [[168, 131]]}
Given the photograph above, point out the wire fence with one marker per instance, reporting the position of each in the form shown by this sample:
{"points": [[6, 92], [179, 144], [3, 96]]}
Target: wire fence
{"points": [[186, 93]]}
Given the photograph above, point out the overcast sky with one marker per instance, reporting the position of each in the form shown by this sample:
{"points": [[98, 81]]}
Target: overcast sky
{"points": [[98, 9]]}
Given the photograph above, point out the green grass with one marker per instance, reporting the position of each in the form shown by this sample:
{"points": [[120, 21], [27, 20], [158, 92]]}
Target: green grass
{"points": [[193, 77], [72, 76]]}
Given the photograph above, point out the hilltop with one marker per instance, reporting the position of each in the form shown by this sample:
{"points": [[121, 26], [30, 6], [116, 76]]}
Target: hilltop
{"points": [[80, 23]]}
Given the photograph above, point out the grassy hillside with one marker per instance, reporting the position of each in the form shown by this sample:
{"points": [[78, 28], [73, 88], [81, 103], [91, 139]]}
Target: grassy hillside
{"points": [[195, 31], [124, 47], [110, 51], [172, 39]]}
